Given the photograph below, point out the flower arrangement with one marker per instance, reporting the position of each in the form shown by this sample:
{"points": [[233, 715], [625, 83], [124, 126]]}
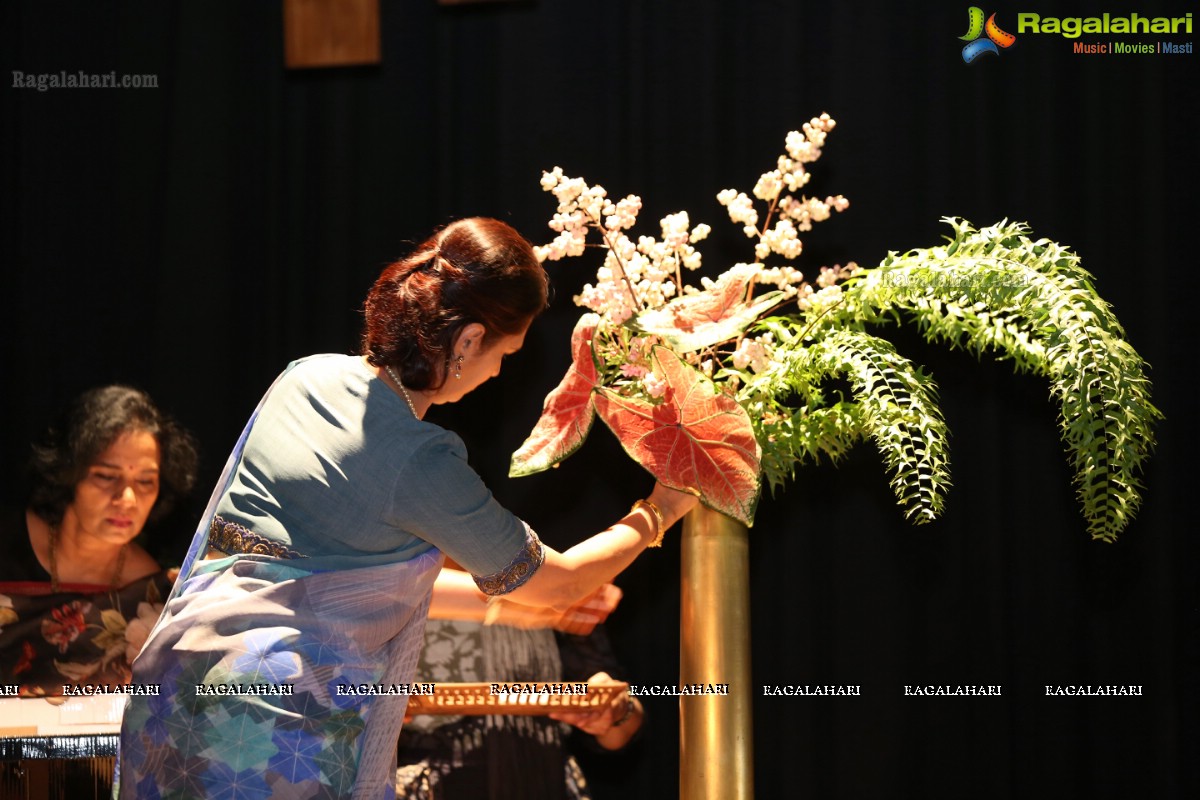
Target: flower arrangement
{"points": [[715, 385]]}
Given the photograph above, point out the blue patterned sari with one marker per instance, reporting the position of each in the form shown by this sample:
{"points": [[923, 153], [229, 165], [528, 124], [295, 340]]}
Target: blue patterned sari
{"points": [[254, 620]]}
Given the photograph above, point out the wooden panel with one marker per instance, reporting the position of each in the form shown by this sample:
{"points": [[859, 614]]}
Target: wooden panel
{"points": [[18, 730], [330, 33]]}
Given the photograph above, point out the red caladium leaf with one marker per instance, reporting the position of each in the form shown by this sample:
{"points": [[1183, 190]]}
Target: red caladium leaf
{"points": [[696, 321], [568, 412], [696, 439]]}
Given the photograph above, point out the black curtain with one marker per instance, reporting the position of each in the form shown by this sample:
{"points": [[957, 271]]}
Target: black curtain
{"points": [[195, 237]]}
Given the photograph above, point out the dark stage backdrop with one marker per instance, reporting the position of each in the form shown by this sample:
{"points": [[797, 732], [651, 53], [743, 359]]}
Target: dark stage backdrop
{"points": [[194, 238]]}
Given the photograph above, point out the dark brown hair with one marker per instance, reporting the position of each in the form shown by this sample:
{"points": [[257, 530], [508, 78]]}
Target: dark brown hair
{"points": [[473, 270], [87, 428]]}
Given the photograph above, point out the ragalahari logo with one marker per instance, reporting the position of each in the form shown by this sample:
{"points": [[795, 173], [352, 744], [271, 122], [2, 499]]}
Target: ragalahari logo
{"points": [[977, 43]]}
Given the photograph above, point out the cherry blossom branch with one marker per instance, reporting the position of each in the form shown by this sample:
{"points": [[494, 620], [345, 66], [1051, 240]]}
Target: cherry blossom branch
{"points": [[637, 301]]}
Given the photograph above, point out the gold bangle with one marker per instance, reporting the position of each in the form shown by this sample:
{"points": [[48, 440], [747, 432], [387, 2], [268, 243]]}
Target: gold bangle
{"points": [[660, 529]]}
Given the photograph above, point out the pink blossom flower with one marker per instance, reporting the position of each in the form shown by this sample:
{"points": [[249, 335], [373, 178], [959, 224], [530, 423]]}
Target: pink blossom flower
{"points": [[633, 370], [655, 386]]}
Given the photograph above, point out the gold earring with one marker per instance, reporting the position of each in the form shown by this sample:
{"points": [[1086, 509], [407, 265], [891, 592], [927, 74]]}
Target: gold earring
{"points": [[458, 367]]}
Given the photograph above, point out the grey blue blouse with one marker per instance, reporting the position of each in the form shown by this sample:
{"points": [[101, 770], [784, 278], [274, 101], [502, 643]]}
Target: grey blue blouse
{"points": [[338, 470]]}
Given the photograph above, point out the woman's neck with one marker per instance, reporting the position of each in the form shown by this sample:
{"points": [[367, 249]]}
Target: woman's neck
{"points": [[70, 555]]}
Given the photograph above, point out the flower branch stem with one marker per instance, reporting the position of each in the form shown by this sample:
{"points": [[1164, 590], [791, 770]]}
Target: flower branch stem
{"points": [[808, 328], [762, 232], [637, 301]]}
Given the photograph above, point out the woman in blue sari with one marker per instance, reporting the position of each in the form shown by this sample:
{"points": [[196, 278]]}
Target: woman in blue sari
{"points": [[308, 584]]}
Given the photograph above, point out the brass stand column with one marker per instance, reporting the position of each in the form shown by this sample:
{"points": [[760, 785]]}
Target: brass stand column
{"points": [[716, 759]]}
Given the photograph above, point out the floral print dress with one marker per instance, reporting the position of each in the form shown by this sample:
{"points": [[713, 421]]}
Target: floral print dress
{"points": [[51, 642]]}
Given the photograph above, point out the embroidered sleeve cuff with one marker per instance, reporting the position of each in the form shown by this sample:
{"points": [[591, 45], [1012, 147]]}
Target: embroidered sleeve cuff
{"points": [[519, 570]]}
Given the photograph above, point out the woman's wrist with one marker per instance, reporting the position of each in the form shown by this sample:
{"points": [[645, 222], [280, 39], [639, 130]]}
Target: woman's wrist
{"points": [[672, 504], [658, 524], [662, 509], [624, 728]]}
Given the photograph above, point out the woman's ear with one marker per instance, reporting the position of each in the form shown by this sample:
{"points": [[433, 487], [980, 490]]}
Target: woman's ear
{"points": [[470, 339]]}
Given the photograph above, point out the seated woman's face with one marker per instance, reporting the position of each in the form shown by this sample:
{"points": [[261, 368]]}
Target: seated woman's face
{"points": [[120, 487]]}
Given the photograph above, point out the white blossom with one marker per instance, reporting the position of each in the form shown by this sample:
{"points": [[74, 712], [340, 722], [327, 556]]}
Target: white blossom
{"points": [[769, 185], [551, 179], [786, 279], [655, 386], [640, 272], [781, 239], [623, 215], [675, 230], [754, 353], [821, 299], [740, 208]]}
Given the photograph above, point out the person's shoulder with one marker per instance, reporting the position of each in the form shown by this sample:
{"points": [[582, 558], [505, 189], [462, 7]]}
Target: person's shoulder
{"points": [[323, 370], [426, 438], [325, 362], [428, 448], [139, 563], [435, 437]]}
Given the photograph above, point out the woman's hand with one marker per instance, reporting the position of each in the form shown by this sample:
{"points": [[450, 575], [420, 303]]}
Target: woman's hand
{"points": [[673, 503], [567, 578], [455, 596], [614, 724], [578, 619]]}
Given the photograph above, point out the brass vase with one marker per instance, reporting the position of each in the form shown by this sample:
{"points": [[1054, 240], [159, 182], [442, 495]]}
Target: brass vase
{"points": [[716, 759]]}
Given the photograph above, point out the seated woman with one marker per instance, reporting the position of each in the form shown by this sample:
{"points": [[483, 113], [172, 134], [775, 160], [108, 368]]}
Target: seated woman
{"points": [[77, 594]]}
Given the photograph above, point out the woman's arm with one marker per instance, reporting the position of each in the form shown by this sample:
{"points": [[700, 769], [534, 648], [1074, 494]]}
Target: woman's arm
{"points": [[566, 578], [455, 596]]}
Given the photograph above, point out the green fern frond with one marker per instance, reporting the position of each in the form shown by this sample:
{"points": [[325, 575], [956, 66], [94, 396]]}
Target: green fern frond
{"points": [[894, 404], [995, 289], [794, 421], [802, 436]]}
